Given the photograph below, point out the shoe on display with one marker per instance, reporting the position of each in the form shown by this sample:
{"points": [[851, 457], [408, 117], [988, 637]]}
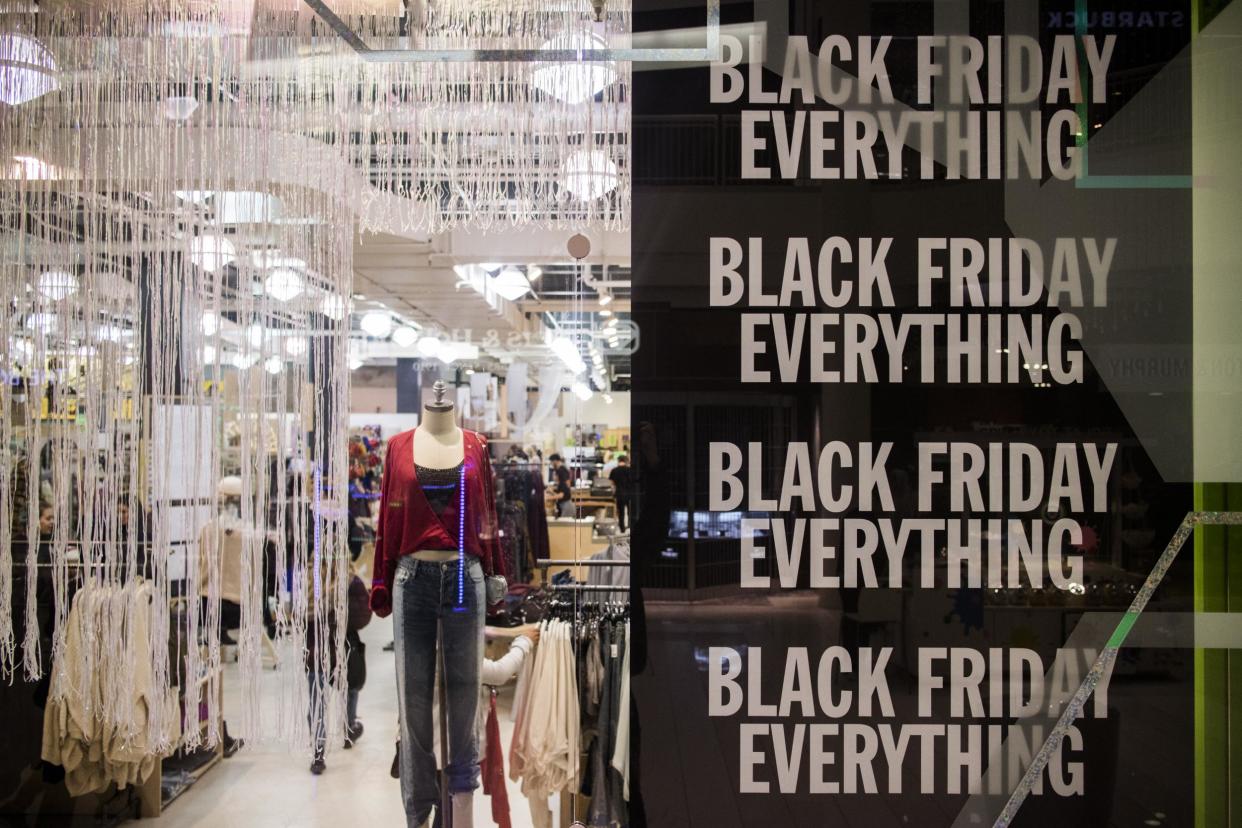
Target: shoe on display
{"points": [[395, 771], [318, 766]]}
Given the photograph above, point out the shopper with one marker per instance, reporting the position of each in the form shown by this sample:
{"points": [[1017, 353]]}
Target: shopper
{"points": [[622, 478], [560, 485], [356, 653]]}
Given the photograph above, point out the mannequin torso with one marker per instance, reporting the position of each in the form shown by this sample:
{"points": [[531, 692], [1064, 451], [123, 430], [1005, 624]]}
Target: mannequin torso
{"points": [[439, 442]]}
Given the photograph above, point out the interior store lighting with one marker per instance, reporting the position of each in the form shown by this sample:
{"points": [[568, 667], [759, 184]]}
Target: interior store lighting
{"points": [[511, 284], [33, 168], [243, 361], [567, 350], [211, 323], [430, 346], [377, 324], [27, 69], [57, 284], [179, 107], [333, 306], [576, 82], [274, 365], [589, 174], [212, 252], [404, 336], [582, 391], [295, 346], [604, 312], [533, 273], [605, 299], [44, 322], [284, 284], [255, 335]]}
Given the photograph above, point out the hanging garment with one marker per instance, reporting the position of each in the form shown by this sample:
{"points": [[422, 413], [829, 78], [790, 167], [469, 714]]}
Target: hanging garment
{"points": [[103, 723], [544, 754], [621, 753], [607, 804], [408, 523], [493, 768]]}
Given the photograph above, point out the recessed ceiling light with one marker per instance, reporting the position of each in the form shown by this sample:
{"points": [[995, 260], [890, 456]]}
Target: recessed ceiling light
{"points": [[377, 324], [405, 336], [284, 284], [57, 284]]}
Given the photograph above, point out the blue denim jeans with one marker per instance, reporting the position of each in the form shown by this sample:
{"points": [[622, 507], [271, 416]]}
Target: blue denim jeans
{"points": [[424, 595]]}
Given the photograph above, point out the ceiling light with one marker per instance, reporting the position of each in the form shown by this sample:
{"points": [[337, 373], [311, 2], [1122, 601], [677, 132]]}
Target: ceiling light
{"points": [[179, 107], [377, 324], [356, 362], [333, 306], [194, 196], [295, 346], [243, 361], [109, 333], [533, 272], [209, 355], [245, 207], [491, 267], [274, 365], [211, 323], [284, 284], [254, 335], [567, 350], [604, 299], [57, 284], [212, 252], [27, 69], [33, 168], [582, 391], [589, 174], [575, 82], [44, 322], [429, 346], [469, 372], [511, 284], [404, 336], [605, 313], [608, 399]]}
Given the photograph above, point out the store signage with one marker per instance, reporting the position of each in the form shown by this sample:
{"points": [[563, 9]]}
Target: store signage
{"points": [[874, 347]]}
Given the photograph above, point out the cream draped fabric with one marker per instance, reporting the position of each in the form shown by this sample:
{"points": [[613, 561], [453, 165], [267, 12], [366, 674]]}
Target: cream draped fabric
{"points": [[102, 722]]}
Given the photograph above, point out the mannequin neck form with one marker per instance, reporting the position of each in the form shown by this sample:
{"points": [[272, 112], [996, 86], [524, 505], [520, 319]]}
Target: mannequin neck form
{"points": [[438, 441], [440, 423]]}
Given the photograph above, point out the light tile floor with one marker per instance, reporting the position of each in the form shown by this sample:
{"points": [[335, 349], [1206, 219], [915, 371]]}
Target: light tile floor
{"points": [[268, 786]]}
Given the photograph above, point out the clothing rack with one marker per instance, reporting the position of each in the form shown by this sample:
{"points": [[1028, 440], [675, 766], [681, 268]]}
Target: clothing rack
{"points": [[577, 589]]}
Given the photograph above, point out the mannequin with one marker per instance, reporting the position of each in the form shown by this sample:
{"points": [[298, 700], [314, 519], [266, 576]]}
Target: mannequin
{"points": [[436, 539]]}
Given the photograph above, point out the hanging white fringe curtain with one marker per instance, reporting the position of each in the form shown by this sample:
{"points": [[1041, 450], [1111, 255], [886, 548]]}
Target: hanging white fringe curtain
{"points": [[180, 185]]}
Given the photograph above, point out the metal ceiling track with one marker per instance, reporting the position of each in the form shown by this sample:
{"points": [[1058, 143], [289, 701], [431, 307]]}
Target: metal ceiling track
{"points": [[710, 52]]}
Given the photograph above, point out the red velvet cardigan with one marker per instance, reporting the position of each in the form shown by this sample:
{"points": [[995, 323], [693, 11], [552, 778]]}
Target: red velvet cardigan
{"points": [[408, 524]]}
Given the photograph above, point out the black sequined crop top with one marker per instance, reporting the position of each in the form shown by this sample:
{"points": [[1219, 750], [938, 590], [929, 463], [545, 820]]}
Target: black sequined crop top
{"points": [[440, 487]]}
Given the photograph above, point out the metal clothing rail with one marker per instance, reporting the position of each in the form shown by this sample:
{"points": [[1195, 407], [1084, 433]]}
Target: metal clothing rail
{"points": [[577, 589], [587, 588], [544, 563]]}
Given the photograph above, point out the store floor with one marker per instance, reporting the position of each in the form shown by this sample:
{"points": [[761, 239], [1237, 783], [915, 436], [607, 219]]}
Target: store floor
{"points": [[267, 786]]}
